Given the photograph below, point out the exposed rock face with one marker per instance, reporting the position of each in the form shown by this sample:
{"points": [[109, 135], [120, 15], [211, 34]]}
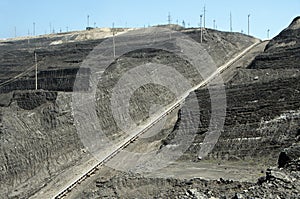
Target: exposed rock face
{"points": [[50, 80], [263, 114], [290, 157], [38, 140], [31, 100], [260, 121], [57, 65]]}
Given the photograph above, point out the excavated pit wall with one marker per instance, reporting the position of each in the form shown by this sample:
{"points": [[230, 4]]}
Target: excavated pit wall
{"points": [[37, 127]]}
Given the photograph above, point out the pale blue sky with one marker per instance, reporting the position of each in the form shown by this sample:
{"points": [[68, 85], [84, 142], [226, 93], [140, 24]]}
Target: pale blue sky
{"points": [[265, 14]]}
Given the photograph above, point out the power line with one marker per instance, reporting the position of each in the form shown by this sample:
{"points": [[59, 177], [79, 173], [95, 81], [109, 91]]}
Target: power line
{"points": [[36, 67], [169, 18], [114, 45], [204, 11], [201, 29], [200, 21], [169, 21], [33, 28]]}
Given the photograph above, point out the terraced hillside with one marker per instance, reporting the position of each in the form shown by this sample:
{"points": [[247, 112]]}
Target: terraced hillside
{"points": [[263, 107], [37, 133], [261, 130], [40, 147], [283, 51]]}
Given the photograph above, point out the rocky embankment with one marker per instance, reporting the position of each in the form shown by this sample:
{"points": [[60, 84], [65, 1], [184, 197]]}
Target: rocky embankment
{"points": [[261, 120], [277, 184]]}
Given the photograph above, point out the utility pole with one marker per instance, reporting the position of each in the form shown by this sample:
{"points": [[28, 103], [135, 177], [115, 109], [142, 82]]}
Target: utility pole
{"points": [[33, 28], [204, 11], [88, 21], [268, 33], [114, 46], [200, 21], [214, 24], [94, 24], [50, 26], [67, 29], [169, 18], [169, 22], [201, 29], [248, 24], [230, 22], [36, 67]]}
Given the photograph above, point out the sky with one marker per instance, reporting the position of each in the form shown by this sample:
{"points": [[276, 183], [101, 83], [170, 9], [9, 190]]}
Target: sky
{"points": [[19, 17]]}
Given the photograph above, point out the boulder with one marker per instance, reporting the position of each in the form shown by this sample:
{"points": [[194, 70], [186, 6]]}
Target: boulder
{"points": [[289, 155]]}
